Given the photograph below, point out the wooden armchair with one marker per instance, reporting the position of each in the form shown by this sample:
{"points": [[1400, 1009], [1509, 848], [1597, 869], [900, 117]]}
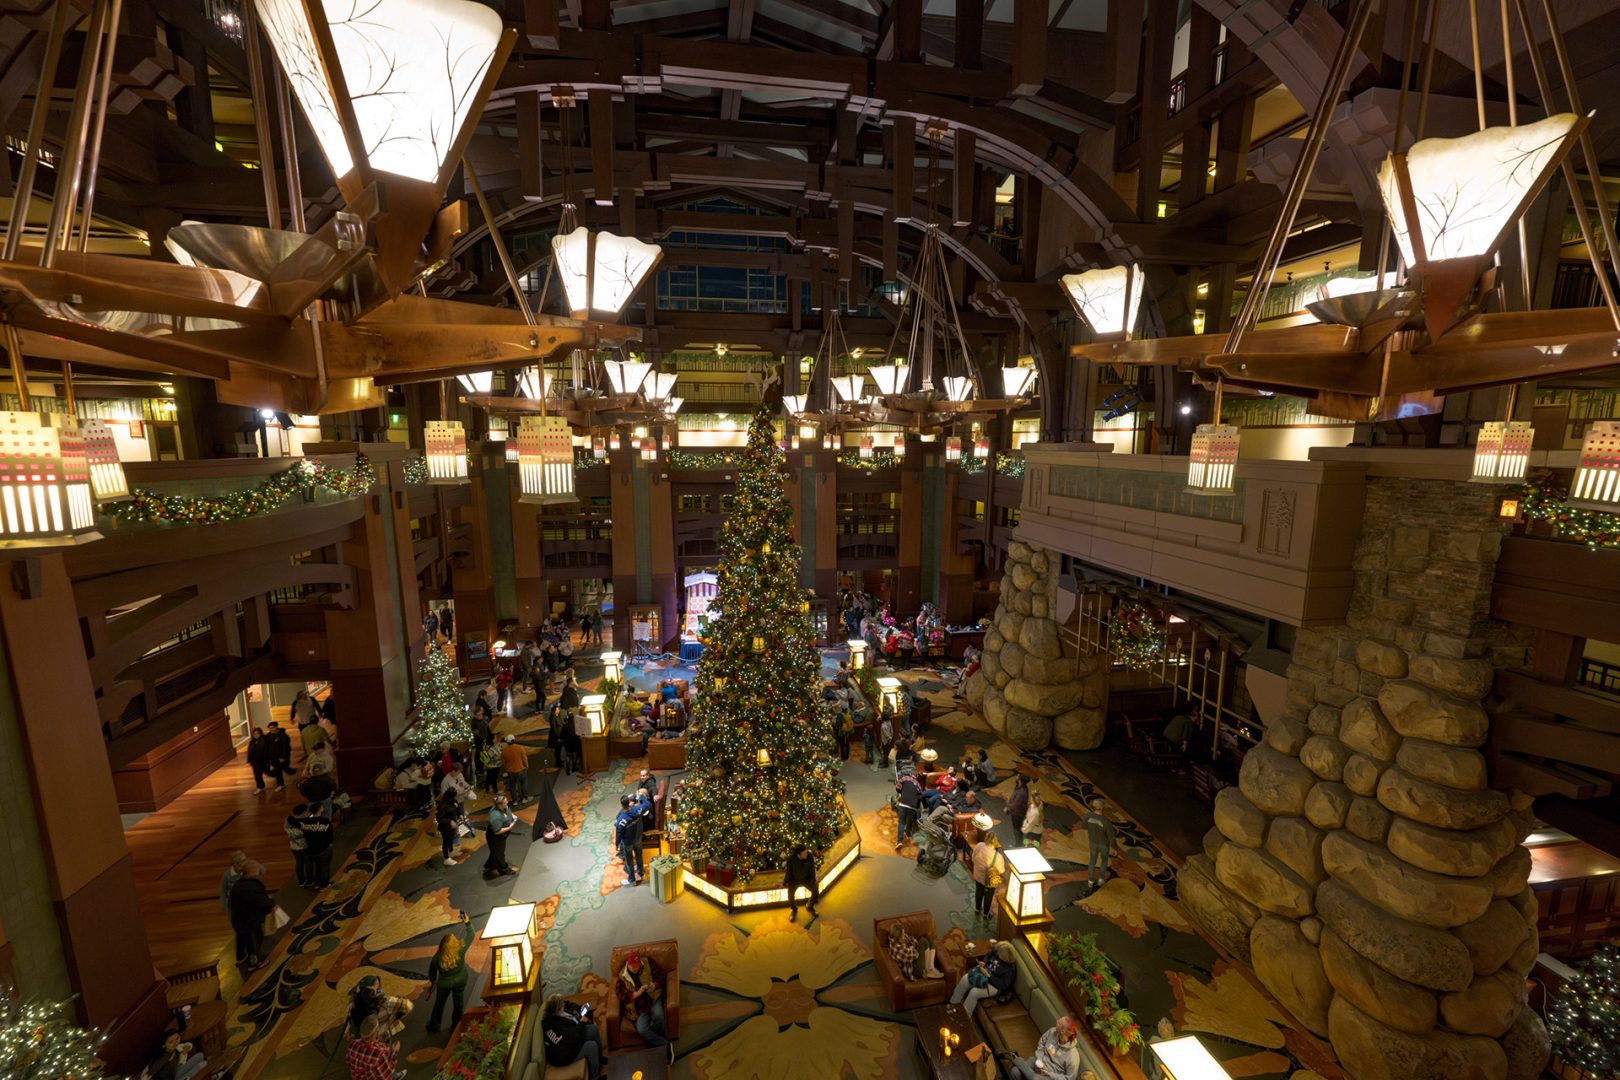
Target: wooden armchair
{"points": [[621, 1028], [903, 991]]}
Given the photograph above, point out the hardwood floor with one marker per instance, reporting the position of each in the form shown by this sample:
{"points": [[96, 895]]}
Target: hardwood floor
{"points": [[181, 851]]}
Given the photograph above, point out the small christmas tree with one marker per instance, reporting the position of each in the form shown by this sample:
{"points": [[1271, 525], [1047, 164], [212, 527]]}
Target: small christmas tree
{"points": [[761, 776], [441, 710], [1583, 1019], [40, 1041]]}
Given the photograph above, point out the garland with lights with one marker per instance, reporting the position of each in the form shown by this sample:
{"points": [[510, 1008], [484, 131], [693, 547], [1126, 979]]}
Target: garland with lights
{"points": [[262, 498], [970, 465], [762, 778], [441, 709], [1583, 1019], [718, 459], [416, 471], [40, 1041], [880, 459], [1010, 465], [1135, 637], [1544, 502]]}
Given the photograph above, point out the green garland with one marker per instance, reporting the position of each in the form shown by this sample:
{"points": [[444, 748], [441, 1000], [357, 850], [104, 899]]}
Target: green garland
{"points": [[1135, 638], [717, 459], [262, 498], [880, 459], [970, 465], [1543, 501], [1010, 465], [416, 471]]}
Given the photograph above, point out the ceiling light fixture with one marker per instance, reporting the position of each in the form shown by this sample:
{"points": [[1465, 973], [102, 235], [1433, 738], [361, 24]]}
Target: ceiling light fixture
{"points": [[1108, 299]]}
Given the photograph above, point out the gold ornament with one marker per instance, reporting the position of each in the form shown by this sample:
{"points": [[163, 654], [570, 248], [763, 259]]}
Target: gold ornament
{"points": [[765, 548]]}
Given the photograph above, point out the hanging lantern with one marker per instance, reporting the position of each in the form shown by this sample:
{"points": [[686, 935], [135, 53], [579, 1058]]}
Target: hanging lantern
{"points": [[793, 441], [45, 495], [1597, 477], [601, 271], [446, 443], [890, 378], [981, 447], [660, 385], [626, 375], [867, 444], [598, 447], [900, 445], [668, 439], [958, 387], [1016, 381], [649, 449], [107, 478], [613, 440], [953, 449], [545, 461], [1502, 454], [829, 442], [1108, 299], [850, 388], [533, 383], [477, 382], [1213, 459], [512, 455], [794, 403]]}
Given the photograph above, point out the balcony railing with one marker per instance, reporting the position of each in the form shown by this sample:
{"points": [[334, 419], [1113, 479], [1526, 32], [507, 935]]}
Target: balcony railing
{"points": [[1599, 676]]}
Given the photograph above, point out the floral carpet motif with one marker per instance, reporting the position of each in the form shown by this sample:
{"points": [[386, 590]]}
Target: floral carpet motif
{"points": [[794, 1026]]}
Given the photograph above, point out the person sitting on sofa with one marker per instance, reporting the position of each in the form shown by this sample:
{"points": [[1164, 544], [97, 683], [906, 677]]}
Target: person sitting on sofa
{"points": [[640, 987], [914, 956], [989, 977], [1056, 1055], [569, 1036]]}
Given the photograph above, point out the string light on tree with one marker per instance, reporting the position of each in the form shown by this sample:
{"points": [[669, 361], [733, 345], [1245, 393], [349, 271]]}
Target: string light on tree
{"points": [[1583, 1019], [441, 711], [40, 1041], [756, 706]]}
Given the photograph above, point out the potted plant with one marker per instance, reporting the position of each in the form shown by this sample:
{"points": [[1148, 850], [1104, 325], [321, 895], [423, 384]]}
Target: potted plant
{"points": [[1095, 979]]}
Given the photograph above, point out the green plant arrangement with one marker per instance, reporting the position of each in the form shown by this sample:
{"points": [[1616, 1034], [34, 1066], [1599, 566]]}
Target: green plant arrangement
{"points": [[1135, 637], [267, 495], [1077, 958], [880, 459], [1010, 465], [718, 459], [482, 1050], [610, 689], [1544, 502]]}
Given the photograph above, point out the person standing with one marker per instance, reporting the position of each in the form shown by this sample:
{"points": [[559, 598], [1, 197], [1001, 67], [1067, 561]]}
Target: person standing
{"points": [[1056, 1056], [304, 710], [1100, 838], [596, 628], [447, 622], [371, 1056], [1017, 807], [499, 823], [250, 903], [570, 694], [885, 740], [515, 767], [986, 870], [985, 772], [228, 880], [317, 830], [482, 739], [447, 816], [261, 758], [627, 829], [1034, 820], [801, 874], [293, 827], [280, 747], [905, 808], [447, 974]]}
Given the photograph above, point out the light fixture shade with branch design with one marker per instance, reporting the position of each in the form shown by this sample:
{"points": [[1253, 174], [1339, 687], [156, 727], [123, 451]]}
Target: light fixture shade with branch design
{"points": [[477, 382], [890, 378], [850, 388], [958, 387], [533, 382], [1018, 380], [1457, 198], [794, 403], [661, 384], [1108, 299], [626, 376], [601, 271], [387, 85]]}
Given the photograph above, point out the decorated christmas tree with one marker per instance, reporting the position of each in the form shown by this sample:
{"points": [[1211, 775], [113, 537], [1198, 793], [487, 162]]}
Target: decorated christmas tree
{"points": [[1583, 1019], [39, 1040], [441, 711], [762, 776]]}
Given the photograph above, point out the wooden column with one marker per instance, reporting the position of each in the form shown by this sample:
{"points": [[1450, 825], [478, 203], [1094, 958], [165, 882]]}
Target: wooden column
{"points": [[1158, 52], [907, 595], [472, 576], [66, 862], [528, 575]]}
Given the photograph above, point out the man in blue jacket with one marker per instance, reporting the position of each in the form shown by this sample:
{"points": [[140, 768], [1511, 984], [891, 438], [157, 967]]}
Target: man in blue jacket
{"points": [[627, 838]]}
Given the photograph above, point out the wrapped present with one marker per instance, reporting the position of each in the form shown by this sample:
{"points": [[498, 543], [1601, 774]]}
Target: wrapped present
{"points": [[667, 881]]}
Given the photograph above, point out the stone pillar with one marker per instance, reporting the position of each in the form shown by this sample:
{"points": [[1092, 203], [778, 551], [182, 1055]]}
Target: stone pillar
{"points": [[1363, 864], [1028, 689]]}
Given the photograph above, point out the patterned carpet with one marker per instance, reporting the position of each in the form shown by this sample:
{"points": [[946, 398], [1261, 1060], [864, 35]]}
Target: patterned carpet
{"points": [[760, 995]]}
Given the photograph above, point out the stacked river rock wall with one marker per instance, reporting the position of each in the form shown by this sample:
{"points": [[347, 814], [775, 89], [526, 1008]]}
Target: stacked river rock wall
{"points": [[1363, 865], [1028, 689]]}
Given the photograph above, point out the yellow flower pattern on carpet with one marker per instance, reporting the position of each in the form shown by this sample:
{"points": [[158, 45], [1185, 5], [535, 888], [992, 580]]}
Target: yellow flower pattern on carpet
{"points": [[782, 966], [1229, 1004], [1131, 907]]}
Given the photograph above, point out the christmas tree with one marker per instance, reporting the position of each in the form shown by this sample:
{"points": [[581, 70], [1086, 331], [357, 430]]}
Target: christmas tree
{"points": [[441, 711], [762, 778], [1584, 1018], [40, 1041]]}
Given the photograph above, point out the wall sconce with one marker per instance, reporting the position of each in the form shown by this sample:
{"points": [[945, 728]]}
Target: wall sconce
{"points": [[981, 447], [598, 447], [828, 442], [889, 691], [857, 654], [1510, 508], [613, 666], [511, 931], [1026, 878], [594, 706], [649, 449]]}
